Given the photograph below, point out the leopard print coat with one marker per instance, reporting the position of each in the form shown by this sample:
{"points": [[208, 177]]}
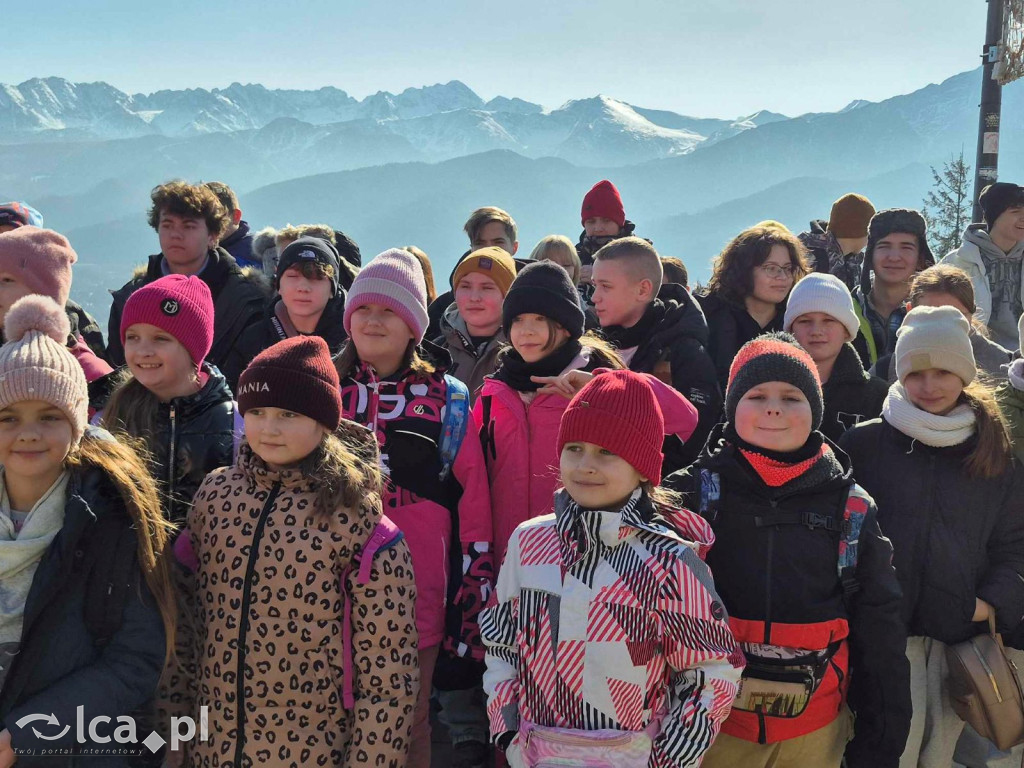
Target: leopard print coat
{"points": [[269, 641]]}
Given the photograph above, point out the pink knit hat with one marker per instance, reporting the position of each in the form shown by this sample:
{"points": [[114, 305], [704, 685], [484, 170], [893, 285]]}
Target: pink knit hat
{"points": [[35, 363], [179, 304], [39, 258], [393, 279]]}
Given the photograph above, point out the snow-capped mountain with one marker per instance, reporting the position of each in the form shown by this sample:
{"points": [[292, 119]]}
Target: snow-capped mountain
{"points": [[438, 121]]}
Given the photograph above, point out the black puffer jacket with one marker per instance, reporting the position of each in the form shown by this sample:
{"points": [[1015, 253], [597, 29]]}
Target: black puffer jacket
{"points": [[852, 395], [60, 666], [194, 436], [239, 298], [269, 331], [729, 328], [955, 538], [680, 338], [787, 576]]}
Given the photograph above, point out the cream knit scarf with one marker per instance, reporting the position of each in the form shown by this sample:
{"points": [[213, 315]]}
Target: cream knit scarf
{"points": [[937, 431], [21, 552]]}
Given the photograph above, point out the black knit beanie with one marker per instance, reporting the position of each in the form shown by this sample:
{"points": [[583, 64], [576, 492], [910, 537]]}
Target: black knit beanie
{"points": [[310, 249], [544, 288], [996, 198], [774, 357]]}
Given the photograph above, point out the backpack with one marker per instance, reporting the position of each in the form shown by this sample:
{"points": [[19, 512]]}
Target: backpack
{"points": [[849, 526], [453, 427], [385, 535]]}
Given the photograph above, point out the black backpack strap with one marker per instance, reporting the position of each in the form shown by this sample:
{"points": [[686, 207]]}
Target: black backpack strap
{"points": [[805, 517], [113, 546], [487, 429]]}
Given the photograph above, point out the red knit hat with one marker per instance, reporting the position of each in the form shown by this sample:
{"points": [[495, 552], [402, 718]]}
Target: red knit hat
{"points": [[618, 411], [603, 200], [179, 304], [296, 375]]}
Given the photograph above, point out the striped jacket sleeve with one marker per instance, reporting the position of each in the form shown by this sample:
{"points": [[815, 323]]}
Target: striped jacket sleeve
{"points": [[705, 663], [498, 628]]}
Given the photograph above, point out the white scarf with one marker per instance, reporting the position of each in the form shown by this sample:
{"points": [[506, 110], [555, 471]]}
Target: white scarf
{"points": [[937, 431], [22, 551]]}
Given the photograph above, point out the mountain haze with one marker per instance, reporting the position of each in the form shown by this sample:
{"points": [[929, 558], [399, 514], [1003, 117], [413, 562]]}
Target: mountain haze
{"points": [[394, 169]]}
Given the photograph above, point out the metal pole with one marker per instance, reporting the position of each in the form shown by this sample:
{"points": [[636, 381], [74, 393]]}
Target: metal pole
{"points": [[987, 164]]}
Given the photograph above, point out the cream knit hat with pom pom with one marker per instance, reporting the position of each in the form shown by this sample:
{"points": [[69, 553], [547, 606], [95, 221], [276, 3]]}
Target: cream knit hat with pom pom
{"points": [[35, 363]]}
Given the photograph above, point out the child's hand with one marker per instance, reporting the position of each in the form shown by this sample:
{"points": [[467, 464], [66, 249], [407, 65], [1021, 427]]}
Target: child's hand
{"points": [[7, 756], [566, 385]]}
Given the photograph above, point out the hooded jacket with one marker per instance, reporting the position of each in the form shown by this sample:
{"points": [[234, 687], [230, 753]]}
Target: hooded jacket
{"points": [[60, 666], [968, 257], [239, 297], [520, 442], [603, 619], [270, 330], [404, 411], [470, 364], [781, 587], [681, 338], [852, 395], [269, 620], [955, 537], [239, 245]]}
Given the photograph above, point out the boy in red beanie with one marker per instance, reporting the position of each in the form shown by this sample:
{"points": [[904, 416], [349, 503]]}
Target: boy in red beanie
{"points": [[605, 612], [604, 219]]}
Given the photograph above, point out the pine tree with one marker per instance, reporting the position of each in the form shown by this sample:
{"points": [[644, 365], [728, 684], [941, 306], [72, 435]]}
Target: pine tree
{"points": [[947, 206]]}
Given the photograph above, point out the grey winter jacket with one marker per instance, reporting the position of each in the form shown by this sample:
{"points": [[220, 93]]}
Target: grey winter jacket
{"points": [[469, 364]]}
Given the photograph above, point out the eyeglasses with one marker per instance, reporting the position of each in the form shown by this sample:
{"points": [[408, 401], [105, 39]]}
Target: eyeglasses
{"points": [[774, 271]]}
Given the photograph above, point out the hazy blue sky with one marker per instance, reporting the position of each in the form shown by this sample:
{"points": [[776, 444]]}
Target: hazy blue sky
{"points": [[705, 58]]}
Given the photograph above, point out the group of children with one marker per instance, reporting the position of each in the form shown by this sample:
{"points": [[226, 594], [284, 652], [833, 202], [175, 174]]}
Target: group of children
{"points": [[300, 550]]}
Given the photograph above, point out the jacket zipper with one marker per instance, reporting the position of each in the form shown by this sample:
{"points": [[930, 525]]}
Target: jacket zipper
{"points": [[768, 580], [243, 627], [762, 726], [172, 452]]}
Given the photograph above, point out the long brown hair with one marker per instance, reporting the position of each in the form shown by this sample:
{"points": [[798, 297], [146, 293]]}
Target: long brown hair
{"points": [[346, 360], [346, 467], [127, 472], [132, 411], [732, 276], [428, 271], [994, 450]]}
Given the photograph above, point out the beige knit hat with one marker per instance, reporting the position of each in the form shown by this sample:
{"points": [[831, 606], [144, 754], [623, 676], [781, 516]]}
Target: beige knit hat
{"points": [[935, 337], [35, 363]]}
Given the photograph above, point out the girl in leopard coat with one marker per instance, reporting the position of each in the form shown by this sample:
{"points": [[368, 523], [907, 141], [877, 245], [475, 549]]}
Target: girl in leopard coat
{"points": [[306, 654]]}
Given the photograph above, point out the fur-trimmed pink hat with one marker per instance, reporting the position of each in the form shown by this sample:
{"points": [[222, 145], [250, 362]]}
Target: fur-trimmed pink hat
{"points": [[39, 258]]}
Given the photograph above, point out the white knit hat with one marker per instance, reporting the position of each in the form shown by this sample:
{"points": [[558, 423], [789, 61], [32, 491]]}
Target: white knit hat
{"points": [[935, 337], [819, 292]]}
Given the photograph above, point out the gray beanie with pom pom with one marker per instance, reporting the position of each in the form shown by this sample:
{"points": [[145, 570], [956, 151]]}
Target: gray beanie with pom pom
{"points": [[35, 363]]}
